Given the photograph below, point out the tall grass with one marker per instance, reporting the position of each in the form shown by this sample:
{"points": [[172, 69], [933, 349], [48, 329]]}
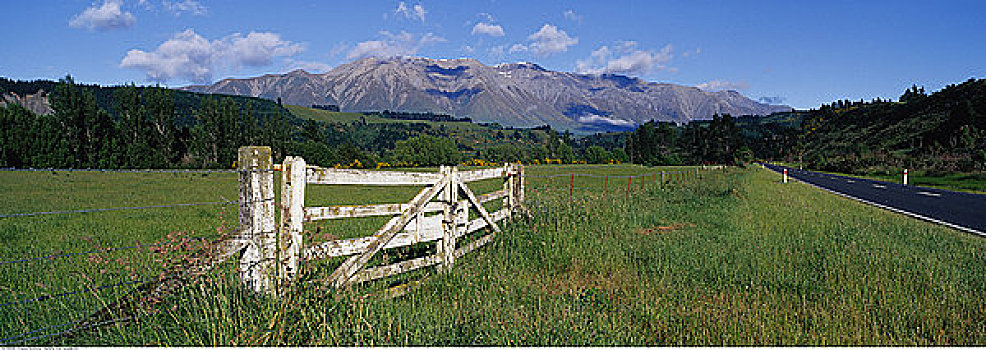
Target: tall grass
{"points": [[729, 258]]}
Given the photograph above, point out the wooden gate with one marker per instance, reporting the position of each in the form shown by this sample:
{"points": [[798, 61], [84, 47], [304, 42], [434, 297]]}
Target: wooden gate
{"points": [[445, 192]]}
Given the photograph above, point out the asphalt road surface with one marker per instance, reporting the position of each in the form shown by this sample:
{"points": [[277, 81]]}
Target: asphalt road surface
{"points": [[958, 210]]}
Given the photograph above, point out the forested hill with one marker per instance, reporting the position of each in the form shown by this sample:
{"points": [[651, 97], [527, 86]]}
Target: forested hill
{"points": [[942, 132], [185, 103], [90, 126]]}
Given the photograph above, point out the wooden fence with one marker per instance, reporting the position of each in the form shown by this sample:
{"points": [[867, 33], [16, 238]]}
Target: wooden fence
{"points": [[274, 254]]}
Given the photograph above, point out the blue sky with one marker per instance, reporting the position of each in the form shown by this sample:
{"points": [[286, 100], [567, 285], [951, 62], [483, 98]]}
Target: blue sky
{"points": [[796, 52]]}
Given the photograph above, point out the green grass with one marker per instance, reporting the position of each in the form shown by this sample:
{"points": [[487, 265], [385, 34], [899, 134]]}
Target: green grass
{"points": [[729, 258], [974, 182], [966, 182]]}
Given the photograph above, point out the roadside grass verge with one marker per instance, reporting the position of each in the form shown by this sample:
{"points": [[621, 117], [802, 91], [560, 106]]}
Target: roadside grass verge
{"points": [[973, 182]]}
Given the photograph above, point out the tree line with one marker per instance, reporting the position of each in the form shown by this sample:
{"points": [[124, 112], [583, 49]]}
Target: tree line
{"points": [[142, 127]]}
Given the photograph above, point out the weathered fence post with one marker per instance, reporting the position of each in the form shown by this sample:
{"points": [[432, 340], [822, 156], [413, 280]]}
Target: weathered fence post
{"points": [[629, 181], [450, 203], [519, 178], [515, 190], [256, 181], [508, 187], [662, 179], [290, 241]]}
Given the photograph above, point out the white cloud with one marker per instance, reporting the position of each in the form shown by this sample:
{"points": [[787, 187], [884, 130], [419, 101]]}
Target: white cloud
{"points": [[517, 48], [487, 29], [719, 85], [548, 41], [572, 16], [107, 16], [692, 53], [190, 6], [772, 100], [598, 119], [309, 66], [625, 58], [255, 49], [401, 44], [190, 56], [416, 12]]}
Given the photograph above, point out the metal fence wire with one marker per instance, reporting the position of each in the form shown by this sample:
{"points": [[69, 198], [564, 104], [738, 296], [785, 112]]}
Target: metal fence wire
{"points": [[64, 328]]}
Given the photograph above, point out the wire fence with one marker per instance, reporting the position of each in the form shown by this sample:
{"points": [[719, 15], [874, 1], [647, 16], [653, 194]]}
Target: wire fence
{"points": [[23, 336], [158, 171], [63, 328], [60, 295], [97, 210], [95, 251], [44, 299]]}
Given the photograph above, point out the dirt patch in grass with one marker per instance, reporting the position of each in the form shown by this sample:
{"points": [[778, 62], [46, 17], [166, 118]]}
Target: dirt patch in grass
{"points": [[580, 278], [664, 229]]}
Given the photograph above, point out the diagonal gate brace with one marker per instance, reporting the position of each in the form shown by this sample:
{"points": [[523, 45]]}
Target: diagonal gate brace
{"points": [[343, 275]]}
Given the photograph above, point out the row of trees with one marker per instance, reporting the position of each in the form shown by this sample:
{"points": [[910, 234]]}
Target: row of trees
{"points": [[141, 129], [152, 127], [718, 141]]}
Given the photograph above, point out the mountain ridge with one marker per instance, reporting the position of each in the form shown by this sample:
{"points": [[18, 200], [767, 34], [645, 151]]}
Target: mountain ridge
{"points": [[519, 94]]}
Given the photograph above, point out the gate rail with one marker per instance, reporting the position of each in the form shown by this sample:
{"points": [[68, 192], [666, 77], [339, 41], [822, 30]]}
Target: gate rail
{"points": [[273, 257]]}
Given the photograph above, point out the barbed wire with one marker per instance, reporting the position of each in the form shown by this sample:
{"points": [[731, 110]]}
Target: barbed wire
{"points": [[76, 329], [606, 176], [54, 296], [32, 332], [155, 171], [78, 211], [102, 250]]}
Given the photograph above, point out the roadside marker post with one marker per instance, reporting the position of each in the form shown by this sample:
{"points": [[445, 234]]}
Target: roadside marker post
{"points": [[605, 185], [571, 188], [905, 177], [785, 175], [629, 181]]}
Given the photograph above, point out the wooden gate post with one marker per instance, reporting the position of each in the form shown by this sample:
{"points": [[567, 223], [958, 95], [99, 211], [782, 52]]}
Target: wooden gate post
{"points": [[290, 241], [256, 181], [510, 187], [450, 202], [519, 186]]}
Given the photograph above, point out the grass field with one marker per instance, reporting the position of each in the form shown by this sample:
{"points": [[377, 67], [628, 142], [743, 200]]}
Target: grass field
{"points": [[730, 258]]}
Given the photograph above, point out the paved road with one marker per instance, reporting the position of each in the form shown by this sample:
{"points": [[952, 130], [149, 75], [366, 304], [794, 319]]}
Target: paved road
{"points": [[959, 210]]}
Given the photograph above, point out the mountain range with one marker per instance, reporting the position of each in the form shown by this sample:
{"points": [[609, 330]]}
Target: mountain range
{"points": [[515, 94]]}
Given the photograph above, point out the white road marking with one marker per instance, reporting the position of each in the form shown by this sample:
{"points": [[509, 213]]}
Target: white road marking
{"points": [[930, 194], [879, 186], [851, 181]]}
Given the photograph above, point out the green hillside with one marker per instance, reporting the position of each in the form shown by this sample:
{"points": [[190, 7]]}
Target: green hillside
{"points": [[944, 132]]}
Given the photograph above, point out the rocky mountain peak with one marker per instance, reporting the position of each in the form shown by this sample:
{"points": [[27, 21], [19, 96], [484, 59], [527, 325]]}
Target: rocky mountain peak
{"points": [[519, 94]]}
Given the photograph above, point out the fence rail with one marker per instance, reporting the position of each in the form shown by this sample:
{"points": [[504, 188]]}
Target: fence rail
{"points": [[273, 257], [274, 252]]}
